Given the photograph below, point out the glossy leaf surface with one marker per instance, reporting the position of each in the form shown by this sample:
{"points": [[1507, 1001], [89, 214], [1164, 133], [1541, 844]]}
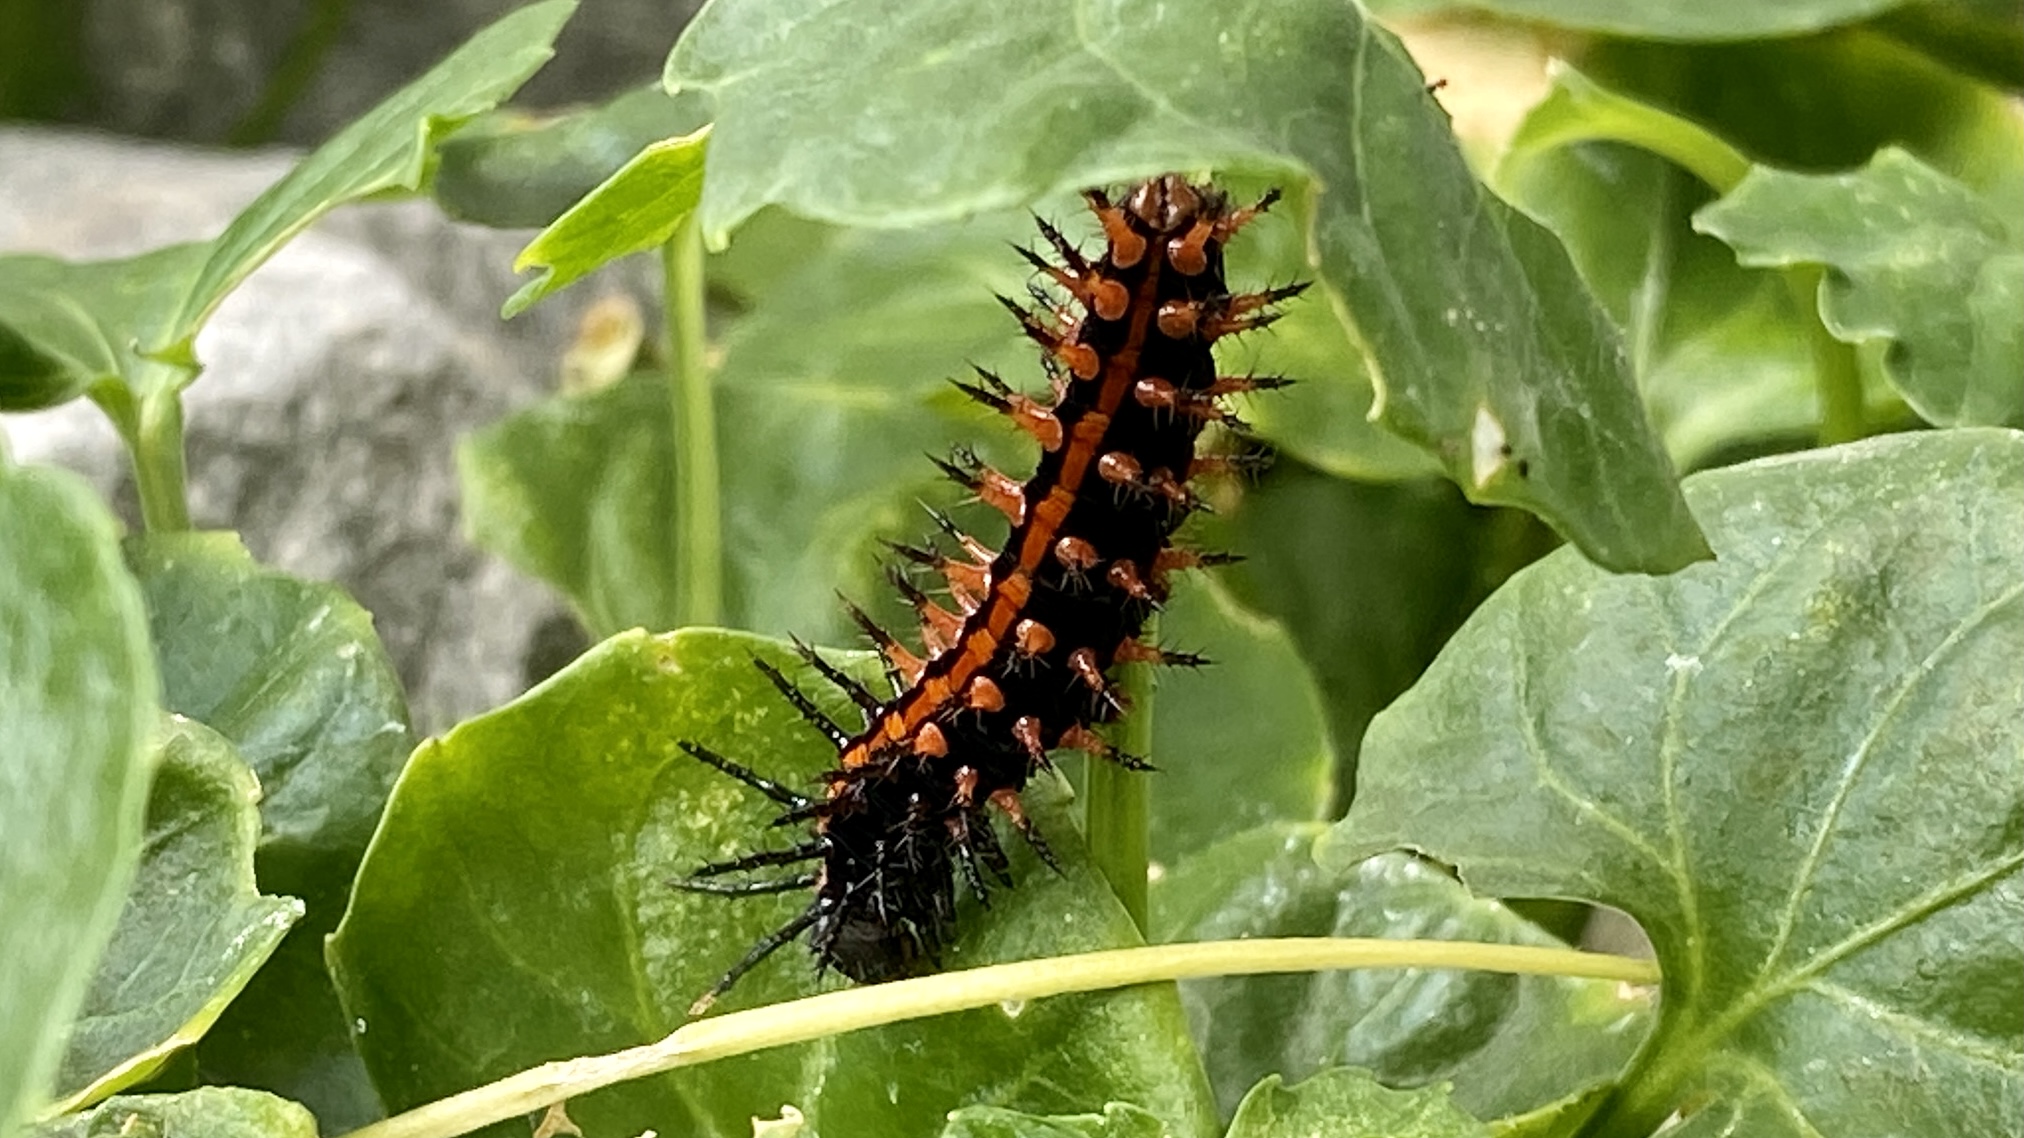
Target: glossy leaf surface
{"points": [[77, 690], [1486, 348], [195, 926], [516, 908], [1798, 768]]}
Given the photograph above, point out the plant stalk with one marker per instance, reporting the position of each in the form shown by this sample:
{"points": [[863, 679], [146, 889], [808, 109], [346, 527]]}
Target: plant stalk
{"points": [[699, 583], [160, 475], [875, 1005], [1837, 377], [1117, 803]]}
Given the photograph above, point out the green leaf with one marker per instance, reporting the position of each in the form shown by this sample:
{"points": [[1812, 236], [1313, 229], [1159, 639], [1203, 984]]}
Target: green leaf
{"points": [[1240, 742], [515, 908], [293, 674], [1490, 354], [1365, 625], [579, 491], [1722, 352], [1344, 1103], [1505, 1044], [131, 324], [1118, 1120], [388, 149], [195, 926], [638, 208], [207, 1112], [1797, 767], [76, 704], [69, 326], [513, 170], [1914, 257]]}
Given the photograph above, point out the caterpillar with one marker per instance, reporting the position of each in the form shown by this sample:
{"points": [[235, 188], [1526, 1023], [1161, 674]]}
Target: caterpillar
{"points": [[1020, 665]]}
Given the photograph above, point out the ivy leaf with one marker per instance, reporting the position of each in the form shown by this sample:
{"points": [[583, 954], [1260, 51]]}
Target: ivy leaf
{"points": [[207, 1112], [195, 926], [1797, 767], [537, 842], [1346, 1103], [77, 691], [1915, 258], [1504, 1045], [1488, 352], [125, 329]]}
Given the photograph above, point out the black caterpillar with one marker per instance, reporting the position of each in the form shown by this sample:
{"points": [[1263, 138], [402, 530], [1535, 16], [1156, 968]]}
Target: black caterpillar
{"points": [[1018, 666]]}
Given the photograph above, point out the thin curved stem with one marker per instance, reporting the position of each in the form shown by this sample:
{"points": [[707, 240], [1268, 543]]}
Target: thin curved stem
{"points": [[876, 1005]]}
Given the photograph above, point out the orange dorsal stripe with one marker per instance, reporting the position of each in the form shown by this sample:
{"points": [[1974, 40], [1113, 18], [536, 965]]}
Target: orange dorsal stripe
{"points": [[986, 628]]}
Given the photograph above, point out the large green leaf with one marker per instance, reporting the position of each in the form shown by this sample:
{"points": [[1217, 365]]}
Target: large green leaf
{"points": [[195, 926], [1798, 767], [1344, 1103], [128, 326], [1487, 350], [515, 908], [514, 170], [293, 674], [1506, 1045], [1915, 258], [77, 692], [207, 1112]]}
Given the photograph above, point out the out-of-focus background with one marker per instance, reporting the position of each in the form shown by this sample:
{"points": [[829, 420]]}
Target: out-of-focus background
{"points": [[337, 379]]}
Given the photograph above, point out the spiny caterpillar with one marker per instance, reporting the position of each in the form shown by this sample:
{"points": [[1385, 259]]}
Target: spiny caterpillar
{"points": [[1019, 666]]}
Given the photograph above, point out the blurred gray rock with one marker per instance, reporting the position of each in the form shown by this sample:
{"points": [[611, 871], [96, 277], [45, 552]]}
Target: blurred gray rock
{"points": [[297, 70], [336, 382]]}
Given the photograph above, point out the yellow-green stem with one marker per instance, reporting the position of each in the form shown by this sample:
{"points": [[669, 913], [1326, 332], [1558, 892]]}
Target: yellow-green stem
{"points": [[1117, 803], [699, 585], [1837, 377], [854, 1009], [159, 474]]}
